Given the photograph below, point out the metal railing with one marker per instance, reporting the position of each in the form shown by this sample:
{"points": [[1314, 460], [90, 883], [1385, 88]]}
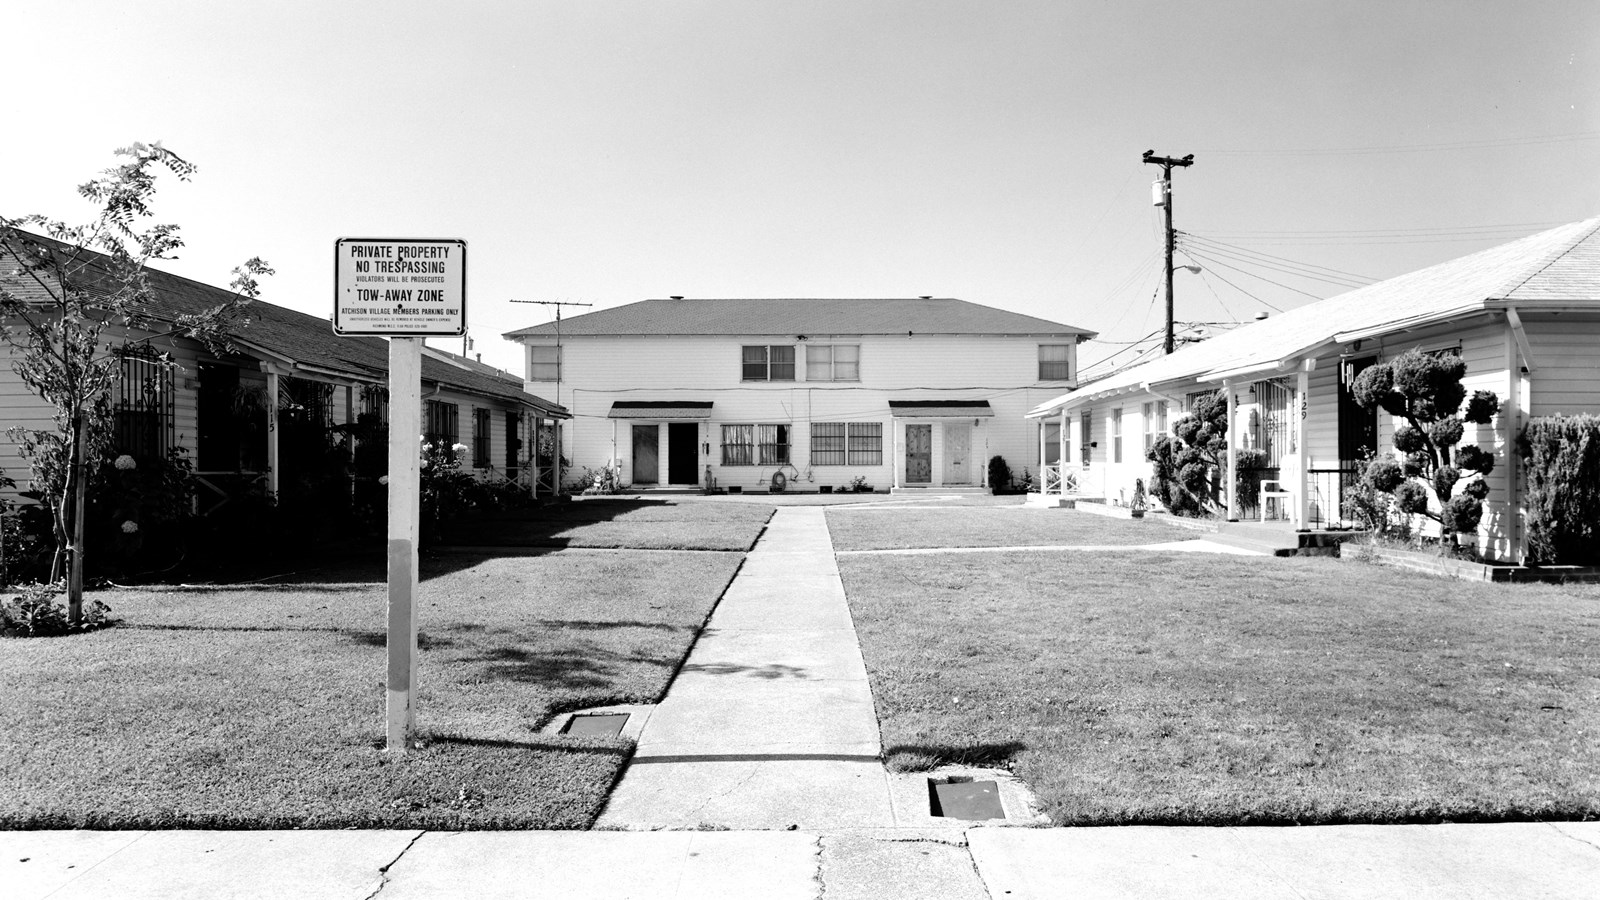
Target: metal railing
{"points": [[1325, 495]]}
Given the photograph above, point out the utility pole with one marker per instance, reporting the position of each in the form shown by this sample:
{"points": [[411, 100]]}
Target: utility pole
{"points": [[555, 478], [1166, 163], [557, 304]]}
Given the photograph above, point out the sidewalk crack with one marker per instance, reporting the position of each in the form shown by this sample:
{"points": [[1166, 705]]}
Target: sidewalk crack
{"points": [[383, 870], [1564, 833]]}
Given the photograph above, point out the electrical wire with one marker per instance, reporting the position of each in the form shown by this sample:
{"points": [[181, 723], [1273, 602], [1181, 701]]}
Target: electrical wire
{"points": [[1339, 273], [1489, 143], [1244, 260], [1220, 265]]}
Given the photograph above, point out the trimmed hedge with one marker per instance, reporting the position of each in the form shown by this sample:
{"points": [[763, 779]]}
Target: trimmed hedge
{"points": [[1561, 455]]}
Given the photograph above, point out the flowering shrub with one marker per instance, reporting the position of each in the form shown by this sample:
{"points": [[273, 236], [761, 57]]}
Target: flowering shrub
{"points": [[605, 480], [35, 613], [447, 491], [136, 510]]}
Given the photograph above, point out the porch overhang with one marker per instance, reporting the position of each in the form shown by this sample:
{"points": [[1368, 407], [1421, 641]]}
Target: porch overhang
{"points": [[661, 410], [940, 409]]}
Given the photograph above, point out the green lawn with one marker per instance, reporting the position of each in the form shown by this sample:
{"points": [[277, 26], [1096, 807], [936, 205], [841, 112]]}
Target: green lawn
{"points": [[654, 524], [262, 706], [1165, 688], [897, 528]]}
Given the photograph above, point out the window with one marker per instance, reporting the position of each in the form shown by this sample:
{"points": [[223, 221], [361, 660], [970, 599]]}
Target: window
{"points": [[544, 362], [1086, 436], [480, 438], [866, 443], [750, 445], [738, 445], [1155, 422], [827, 442], [443, 423], [768, 363], [1116, 435], [1052, 442], [855, 443], [144, 415], [1055, 362], [833, 362]]}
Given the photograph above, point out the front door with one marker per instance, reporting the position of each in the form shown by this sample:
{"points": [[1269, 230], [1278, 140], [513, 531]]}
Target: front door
{"points": [[957, 449], [919, 454], [683, 453], [647, 454]]}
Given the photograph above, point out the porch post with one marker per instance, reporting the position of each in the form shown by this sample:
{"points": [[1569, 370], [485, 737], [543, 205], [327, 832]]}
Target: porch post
{"points": [[1043, 482], [272, 433], [1302, 494], [555, 464], [533, 454], [1511, 422], [1233, 453]]}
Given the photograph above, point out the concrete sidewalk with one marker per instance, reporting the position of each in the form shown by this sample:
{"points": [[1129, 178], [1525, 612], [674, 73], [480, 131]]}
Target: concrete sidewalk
{"points": [[1514, 862], [770, 724]]}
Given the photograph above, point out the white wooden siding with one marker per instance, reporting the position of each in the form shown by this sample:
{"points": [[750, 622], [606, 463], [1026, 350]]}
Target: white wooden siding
{"points": [[1566, 356], [597, 372]]}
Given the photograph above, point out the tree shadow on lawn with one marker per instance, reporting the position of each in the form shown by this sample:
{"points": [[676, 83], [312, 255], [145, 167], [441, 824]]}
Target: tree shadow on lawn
{"points": [[923, 757]]}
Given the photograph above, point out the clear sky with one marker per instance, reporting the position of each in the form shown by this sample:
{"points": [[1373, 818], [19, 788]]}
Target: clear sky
{"points": [[607, 152]]}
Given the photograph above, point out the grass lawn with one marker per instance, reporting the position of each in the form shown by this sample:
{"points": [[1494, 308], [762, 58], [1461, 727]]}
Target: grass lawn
{"points": [[898, 528], [261, 706], [1164, 688], [654, 524]]}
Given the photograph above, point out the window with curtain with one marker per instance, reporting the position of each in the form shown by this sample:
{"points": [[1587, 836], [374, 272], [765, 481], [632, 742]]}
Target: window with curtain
{"points": [[544, 362], [772, 444], [833, 362], [1055, 362], [1052, 442], [738, 445], [1116, 435], [763, 362]]}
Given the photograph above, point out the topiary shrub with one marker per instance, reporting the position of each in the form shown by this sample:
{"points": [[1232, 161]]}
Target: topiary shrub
{"points": [[1248, 464], [999, 475], [1185, 464], [1561, 456], [1425, 391]]}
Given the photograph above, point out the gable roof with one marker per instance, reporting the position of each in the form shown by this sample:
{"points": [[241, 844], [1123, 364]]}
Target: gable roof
{"points": [[694, 316], [279, 333], [1556, 267]]}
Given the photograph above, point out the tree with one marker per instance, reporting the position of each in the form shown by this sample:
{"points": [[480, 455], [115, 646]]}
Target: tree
{"points": [[70, 303], [1187, 465], [1425, 391]]}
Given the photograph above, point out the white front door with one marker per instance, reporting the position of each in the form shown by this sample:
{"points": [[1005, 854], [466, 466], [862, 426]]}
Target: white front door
{"points": [[957, 453]]}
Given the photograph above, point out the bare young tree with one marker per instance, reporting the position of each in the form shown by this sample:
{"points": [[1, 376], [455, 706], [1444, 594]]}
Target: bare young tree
{"points": [[72, 298]]}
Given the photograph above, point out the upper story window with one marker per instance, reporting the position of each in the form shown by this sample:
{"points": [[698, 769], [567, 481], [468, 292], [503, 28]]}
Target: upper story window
{"points": [[544, 362], [833, 362], [768, 363], [1055, 362]]}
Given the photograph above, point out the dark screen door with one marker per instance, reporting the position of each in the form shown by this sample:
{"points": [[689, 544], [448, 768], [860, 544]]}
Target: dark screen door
{"points": [[646, 454]]}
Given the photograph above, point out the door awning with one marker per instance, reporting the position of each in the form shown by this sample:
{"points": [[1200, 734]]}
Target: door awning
{"points": [[660, 410], [939, 409]]}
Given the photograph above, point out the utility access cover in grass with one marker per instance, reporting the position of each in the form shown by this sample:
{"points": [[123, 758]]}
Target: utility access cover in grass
{"points": [[596, 725], [964, 798]]}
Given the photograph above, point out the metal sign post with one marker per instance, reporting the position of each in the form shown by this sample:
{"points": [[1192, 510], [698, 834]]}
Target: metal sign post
{"points": [[406, 289]]}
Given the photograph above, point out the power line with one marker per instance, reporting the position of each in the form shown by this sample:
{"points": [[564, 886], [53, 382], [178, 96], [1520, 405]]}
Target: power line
{"points": [[1229, 255], [1352, 276], [1490, 143], [1241, 290]]}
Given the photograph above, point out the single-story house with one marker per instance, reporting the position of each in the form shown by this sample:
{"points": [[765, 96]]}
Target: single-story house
{"points": [[259, 416], [1524, 316]]}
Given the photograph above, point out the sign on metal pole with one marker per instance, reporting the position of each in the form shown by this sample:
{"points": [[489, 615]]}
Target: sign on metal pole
{"points": [[406, 289], [412, 287]]}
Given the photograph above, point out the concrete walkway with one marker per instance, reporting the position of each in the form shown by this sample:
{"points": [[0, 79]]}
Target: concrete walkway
{"points": [[1512, 862], [770, 724]]}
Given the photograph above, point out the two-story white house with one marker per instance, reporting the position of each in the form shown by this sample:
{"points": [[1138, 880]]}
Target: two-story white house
{"points": [[803, 394]]}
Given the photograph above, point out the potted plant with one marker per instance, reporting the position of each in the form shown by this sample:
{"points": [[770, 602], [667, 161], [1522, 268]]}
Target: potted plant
{"points": [[1136, 508], [859, 485]]}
